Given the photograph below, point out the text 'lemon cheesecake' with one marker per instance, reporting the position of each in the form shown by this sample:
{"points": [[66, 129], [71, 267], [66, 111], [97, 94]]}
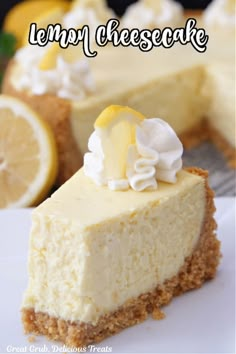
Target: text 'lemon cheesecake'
{"points": [[122, 236]]}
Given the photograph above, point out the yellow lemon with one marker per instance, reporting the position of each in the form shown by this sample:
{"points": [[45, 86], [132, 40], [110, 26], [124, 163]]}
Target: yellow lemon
{"points": [[69, 54], [154, 5], [50, 17], [18, 19], [49, 60], [116, 126], [28, 155]]}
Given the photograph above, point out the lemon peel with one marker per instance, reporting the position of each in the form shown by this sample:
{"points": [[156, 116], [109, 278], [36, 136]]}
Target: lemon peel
{"points": [[28, 155]]}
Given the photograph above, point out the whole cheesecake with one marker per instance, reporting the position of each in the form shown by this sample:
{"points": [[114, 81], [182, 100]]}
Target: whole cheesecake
{"points": [[150, 90], [184, 87], [102, 260]]}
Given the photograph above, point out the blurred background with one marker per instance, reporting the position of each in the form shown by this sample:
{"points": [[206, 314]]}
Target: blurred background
{"points": [[118, 5]]}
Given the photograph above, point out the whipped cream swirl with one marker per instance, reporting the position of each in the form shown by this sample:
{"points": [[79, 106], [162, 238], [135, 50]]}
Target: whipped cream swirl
{"points": [[94, 160], [79, 17], [156, 156], [144, 14], [85, 13], [220, 13], [67, 80]]}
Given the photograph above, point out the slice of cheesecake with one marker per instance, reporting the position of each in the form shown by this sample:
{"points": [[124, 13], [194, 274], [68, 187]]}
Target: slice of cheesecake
{"points": [[102, 260]]}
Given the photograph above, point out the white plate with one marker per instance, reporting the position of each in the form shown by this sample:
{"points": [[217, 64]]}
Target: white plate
{"points": [[201, 321]]}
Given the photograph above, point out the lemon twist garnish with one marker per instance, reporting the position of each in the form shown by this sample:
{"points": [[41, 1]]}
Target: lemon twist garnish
{"points": [[69, 54], [18, 19], [49, 60], [50, 17], [28, 155], [117, 128], [110, 115], [88, 3], [155, 5]]}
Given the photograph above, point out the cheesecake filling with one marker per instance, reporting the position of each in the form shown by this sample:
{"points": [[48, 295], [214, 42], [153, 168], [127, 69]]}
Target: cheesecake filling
{"points": [[152, 14], [93, 249], [66, 78], [220, 83], [220, 13], [88, 259]]}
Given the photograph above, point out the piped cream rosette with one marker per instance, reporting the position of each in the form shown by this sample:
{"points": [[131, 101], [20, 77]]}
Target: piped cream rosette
{"points": [[220, 14], [52, 69], [129, 151], [90, 12], [153, 13]]}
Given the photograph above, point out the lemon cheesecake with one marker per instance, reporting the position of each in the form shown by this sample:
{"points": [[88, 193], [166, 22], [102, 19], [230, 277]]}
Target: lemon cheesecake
{"points": [[130, 230], [182, 91]]}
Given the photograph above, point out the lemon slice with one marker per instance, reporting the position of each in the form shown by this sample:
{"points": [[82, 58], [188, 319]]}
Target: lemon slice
{"points": [[69, 54], [50, 17], [18, 19], [28, 155], [116, 126]]}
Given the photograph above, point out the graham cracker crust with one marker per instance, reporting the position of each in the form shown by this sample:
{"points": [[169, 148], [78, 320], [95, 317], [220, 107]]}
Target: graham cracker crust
{"points": [[195, 13], [198, 268], [196, 135], [56, 111], [204, 131], [228, 151]]}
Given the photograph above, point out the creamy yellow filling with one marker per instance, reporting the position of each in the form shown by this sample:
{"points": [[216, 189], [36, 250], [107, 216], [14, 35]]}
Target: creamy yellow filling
{"points": [[91, 249], [152, 84], [162, 83], [166, 83], [220, 84]]}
